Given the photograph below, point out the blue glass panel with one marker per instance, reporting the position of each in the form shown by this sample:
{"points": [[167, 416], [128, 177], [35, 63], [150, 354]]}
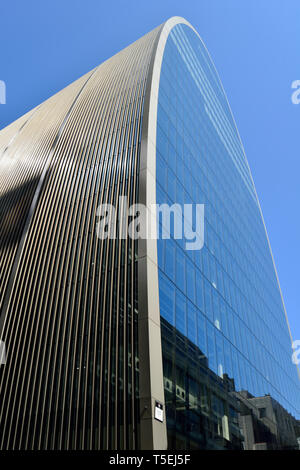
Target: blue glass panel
{"points": [[230, 286], [181, 313]]}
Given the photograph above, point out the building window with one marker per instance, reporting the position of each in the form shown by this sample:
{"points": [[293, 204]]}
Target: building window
{"points": [[262, 412]]}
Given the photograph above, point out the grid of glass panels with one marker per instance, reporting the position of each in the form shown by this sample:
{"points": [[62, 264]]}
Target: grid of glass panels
{"points": [[225, 297]]}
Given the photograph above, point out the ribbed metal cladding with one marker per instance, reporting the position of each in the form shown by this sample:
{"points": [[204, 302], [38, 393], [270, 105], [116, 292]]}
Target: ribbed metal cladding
{"points": [[69, 300]]}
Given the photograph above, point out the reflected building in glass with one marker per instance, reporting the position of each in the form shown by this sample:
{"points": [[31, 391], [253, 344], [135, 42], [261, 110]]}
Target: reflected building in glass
{"points": [[135, 343]]}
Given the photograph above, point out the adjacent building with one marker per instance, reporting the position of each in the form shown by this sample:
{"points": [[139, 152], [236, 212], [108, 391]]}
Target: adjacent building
{"points": [[124, 343], [265, 424]]}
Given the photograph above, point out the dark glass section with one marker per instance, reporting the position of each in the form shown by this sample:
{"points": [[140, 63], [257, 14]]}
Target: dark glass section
{"points": [[202, 413]]}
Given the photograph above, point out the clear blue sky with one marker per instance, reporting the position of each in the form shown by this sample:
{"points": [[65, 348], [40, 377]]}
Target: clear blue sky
{"points": [[255, 45]]}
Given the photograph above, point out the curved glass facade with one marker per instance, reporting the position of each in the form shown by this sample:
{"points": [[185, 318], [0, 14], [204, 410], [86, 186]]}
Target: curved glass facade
{"points": [[224, 298]]}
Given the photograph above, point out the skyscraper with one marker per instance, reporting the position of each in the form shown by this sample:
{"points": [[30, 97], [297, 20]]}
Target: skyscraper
{"points": [[121, 342]]}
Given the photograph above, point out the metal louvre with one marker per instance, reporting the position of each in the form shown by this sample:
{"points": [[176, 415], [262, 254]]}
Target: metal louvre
{"points": [[68, 299]]}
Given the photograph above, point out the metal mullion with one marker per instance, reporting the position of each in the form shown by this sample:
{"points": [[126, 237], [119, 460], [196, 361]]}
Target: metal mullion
{"points": [[100, 143], [78, 394], [130, 83], [62, 333], [133, 244], [110, 179], [125, 361], [74, 356], [100, 282], [54, 137], [15, 366], [33, 228], [129, 94], [85, 398], [12, 253], [91, 152], [121, 147], [27, 322], [136, 187], [73, 164], [96, 329]]}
